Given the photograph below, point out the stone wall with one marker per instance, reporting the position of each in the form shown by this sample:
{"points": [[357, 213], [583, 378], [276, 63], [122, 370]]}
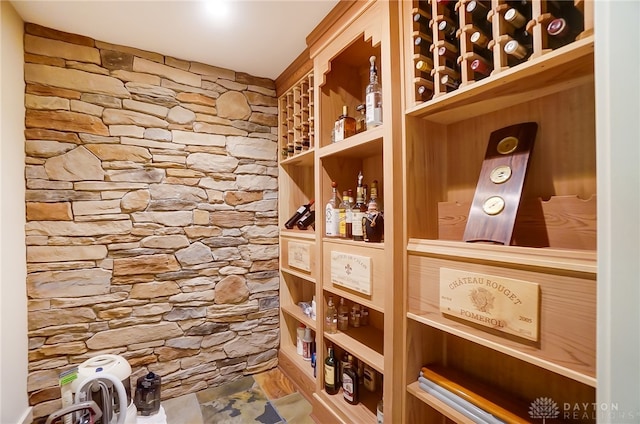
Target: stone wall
{"points": [[151, 215]]}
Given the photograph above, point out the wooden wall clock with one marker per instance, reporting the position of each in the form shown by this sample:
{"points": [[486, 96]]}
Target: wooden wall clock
{"points": [[495, 204]]}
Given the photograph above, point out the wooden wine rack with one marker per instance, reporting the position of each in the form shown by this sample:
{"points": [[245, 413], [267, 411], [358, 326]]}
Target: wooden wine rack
{"points": [[296, 118], [499, 31]]}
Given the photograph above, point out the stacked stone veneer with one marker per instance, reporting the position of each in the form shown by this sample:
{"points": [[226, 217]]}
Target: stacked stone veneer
{"points": [[151, 215]]}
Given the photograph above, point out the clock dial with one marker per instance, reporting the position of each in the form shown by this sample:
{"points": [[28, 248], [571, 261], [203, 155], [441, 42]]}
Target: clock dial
{"points": [[500, 174], [507, 145], [493, 205]]}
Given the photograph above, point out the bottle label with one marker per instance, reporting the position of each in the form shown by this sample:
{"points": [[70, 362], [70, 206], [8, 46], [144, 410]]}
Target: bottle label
{"points": [[373, 111], [342, 222], [347, 387], [357, 229], [380, 417], [329, 375], [332, 222], [338, 132]]}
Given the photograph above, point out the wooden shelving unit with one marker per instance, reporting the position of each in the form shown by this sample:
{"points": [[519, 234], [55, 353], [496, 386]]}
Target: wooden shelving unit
{"points": [[427, 157], [553, 245]]}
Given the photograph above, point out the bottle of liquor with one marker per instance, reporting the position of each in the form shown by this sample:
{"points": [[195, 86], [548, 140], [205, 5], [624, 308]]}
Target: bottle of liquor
{"points": [[299, 338], [302, 210], [331, 373], [307, 342], [343, 316], [331, 317], [308, 219], [361, 120], [357, 229], [345, 125], [346, 220], [350, 384], [364, 316], [332, 215], [380, 413], [369, 378], [344, 363], [374, 220], [373, 97], [355, 315]]}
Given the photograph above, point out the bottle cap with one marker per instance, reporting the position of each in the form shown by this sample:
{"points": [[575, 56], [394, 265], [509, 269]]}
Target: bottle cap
{"points": [[514, 48], [334, 184], [514, 17], [558, 27]]}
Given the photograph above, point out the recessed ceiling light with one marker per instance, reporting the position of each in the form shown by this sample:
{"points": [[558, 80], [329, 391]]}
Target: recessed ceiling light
{"points": [[219, 9]]}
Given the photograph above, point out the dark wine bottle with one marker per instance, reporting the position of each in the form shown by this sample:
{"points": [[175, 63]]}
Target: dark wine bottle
{"points": [[481, 67], [302, 210], [479, 12], [308, 219], [561, 32], [449, 82], [331, 373], [448, 28]]}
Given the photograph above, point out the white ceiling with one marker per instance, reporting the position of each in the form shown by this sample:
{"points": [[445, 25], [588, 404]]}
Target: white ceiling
{"points": [[259, 37]]}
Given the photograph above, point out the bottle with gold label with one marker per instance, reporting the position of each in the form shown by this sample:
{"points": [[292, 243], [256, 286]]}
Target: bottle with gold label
{"points": [[331, 373], [345, 125]]}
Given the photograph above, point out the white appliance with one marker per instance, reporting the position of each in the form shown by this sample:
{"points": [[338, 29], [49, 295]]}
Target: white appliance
{"points": [[105, 379]]}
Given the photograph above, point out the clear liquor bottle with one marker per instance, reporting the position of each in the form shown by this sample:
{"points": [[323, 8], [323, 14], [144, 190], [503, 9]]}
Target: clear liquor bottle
{"points": [[332, 214], [373, 97], [331, 317], [343, 316]]}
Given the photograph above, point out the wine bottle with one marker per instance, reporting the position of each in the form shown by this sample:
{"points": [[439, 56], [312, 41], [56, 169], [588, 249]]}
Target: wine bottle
{"points": [[449, 82], [350, 383], [421, 18], [447, 57], [424, 92], [448, 28], [357, 230], [516, 18], [373, 97], [561, 33], [302, 210], [308, 219], [332, 216], [331, 317], [481, 67], [424, 65], [519, 50], [330, 373], [343, 316], [421, 44], [479, 12]]}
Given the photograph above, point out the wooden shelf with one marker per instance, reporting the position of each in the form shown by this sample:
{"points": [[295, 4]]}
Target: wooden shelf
{"points": [[298, 234], [361, 413], [437, 404], [305, 368], [498, 345], [364, 144], [348, 242], [365, 343], [304, 158], [295, 312], [549, 73], [558, 259], [298, 274], [352, 296]]}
